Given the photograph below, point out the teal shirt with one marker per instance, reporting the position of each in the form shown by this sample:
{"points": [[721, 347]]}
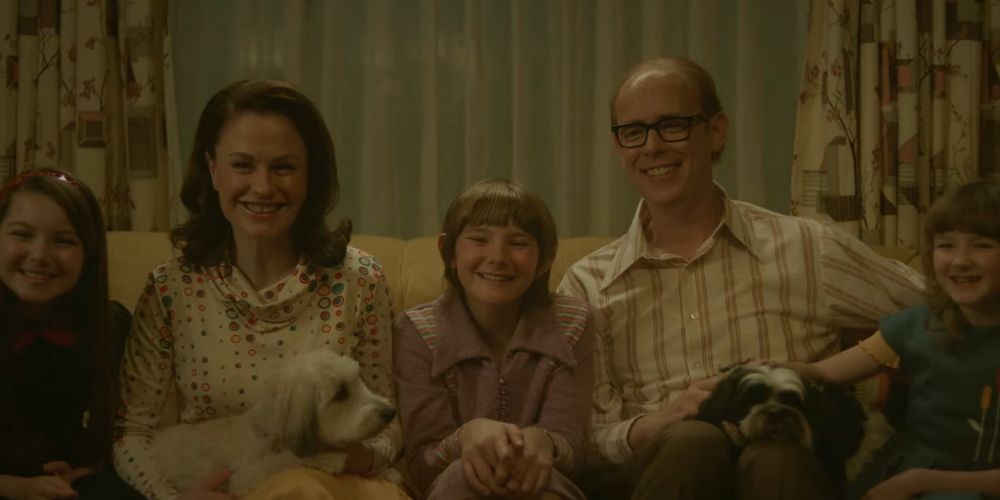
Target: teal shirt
{"points": [[954, 400]]}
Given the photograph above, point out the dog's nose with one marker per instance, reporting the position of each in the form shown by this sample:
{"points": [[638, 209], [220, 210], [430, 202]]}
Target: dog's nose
{"points": [[387, 414]]}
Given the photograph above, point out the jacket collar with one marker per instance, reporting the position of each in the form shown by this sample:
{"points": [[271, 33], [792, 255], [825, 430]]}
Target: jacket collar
{"points": [[460, 339], [633, 247]]}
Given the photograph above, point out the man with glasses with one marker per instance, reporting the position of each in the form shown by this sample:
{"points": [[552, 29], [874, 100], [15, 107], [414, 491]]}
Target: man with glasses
{"points": [[701, 282]]}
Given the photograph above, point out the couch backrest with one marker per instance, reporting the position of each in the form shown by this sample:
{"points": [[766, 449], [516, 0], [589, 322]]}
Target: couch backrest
{"points": [[413, 268]]}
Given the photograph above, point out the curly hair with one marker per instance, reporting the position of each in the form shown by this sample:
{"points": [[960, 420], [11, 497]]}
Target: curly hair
{"points": [[206, 238], [970, 208]]}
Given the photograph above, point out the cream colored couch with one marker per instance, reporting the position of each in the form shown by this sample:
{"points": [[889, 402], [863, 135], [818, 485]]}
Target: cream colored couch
{"points": [[412, 267]]}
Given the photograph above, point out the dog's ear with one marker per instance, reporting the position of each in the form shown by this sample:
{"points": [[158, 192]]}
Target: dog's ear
{"points": [[301, 431], [838, 426], [288, 411], [721, 403]]}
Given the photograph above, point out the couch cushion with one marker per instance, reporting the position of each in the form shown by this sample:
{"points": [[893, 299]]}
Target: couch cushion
{"points": [[131, 257], [421, 272], [388, 252]]}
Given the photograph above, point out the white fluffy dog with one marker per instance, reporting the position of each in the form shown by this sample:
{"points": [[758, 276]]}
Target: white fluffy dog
{"points": [[317, 402]]}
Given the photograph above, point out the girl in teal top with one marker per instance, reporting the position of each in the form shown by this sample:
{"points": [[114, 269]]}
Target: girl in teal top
{"points": [[948, 446]]}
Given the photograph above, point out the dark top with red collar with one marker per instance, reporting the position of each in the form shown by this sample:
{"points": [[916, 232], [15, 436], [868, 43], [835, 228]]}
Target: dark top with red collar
{"points": [[45, 393]]}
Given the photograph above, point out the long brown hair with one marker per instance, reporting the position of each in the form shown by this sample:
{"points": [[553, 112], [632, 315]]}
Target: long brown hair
{"points": [[498, 202], [970, 208], [86, 304], [206, 237]]}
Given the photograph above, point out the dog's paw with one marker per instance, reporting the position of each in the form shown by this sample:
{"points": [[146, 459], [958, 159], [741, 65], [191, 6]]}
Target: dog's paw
{"points": [[733, 432], [328, 461]]}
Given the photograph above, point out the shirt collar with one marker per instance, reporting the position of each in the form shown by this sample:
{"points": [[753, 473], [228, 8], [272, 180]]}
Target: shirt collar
{"points": [[55, 332], [634, 248], [459, 338]]}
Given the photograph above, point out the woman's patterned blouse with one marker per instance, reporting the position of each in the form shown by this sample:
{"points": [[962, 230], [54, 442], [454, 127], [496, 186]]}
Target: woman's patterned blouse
{"points": [[208, 337]]}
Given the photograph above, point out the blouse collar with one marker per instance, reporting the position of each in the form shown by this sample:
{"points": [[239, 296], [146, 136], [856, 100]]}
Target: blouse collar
{"points": [[538, 331]]}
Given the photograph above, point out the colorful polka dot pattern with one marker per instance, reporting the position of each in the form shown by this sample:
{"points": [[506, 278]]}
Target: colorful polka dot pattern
{"points": [[215, 340]]}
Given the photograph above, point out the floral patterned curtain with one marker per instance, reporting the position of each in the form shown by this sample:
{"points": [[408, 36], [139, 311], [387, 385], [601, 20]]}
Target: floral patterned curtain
{"points": [[900, 101], [85, 92]]}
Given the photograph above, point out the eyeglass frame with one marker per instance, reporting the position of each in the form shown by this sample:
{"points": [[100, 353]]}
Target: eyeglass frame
{"points": [[38, 172], [691, 120]]}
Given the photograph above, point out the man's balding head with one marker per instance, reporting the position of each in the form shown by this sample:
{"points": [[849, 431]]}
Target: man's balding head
{"points": [[686, 69]]}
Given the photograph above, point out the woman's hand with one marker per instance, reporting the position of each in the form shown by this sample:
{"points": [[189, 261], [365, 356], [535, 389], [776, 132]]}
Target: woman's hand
{"points": [[65, 471], [205, 489], [485, 443], [531, 465], [39, 488]]}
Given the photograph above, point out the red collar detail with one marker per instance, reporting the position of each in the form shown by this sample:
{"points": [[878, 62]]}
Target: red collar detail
{"points": [[56, 333]]}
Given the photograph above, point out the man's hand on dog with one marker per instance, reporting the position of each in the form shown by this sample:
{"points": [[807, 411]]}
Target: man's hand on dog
{"points": [[685, 405]]}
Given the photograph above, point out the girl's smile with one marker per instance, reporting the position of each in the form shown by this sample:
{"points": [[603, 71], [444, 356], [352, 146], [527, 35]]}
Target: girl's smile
{"points": [[967, 266], [496, 265], [41, 256]]}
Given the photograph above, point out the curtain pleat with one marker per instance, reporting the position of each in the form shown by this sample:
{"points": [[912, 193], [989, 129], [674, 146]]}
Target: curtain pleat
{"points": [[424, 98], [85, 92]]}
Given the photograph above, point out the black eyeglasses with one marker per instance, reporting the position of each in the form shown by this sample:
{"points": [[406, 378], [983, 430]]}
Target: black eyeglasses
{"points": [[670, 129]]}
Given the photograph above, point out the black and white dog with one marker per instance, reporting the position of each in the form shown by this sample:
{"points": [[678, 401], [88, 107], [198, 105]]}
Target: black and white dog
{"points": [[760, 403], [771, 403]]}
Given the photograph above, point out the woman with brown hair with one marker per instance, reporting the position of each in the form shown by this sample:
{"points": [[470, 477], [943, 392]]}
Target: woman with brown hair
{"points": [[260, 279]]}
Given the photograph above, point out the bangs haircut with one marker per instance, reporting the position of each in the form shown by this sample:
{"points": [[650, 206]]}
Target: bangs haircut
{"points": [[499, 202], [971, 208]]}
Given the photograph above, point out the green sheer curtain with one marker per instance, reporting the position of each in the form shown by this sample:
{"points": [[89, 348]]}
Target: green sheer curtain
{"points": [[425, 97]]}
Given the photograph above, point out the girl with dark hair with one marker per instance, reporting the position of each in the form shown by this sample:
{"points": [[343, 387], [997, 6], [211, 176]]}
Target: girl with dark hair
{"points": [[259, 280], [60, 343], [949, 348]]}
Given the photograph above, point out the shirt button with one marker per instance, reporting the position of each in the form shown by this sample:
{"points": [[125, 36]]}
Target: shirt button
{"points": [[697, 365], [694, 316]]}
